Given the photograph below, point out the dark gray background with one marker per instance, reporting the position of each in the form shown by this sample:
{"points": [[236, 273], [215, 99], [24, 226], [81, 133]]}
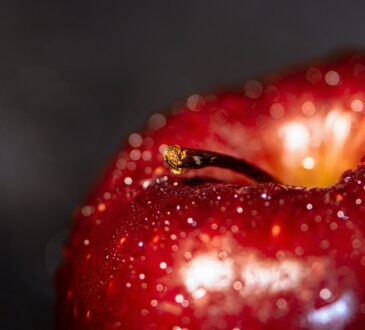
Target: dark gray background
{"points": [[77, 77]]}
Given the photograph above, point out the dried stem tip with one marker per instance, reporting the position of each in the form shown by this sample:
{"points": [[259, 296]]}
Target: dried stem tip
{"points": [[181, 159]]}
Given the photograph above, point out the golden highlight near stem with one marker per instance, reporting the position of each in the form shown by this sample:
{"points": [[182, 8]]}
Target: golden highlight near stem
{"points": [[310, 151], [181, 159], [314, 151]]}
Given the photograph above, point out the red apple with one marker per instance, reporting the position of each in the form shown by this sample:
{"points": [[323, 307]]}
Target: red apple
{"points": [[210, 249]]}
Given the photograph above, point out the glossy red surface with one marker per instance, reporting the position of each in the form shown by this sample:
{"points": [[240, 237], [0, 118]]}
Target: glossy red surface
{"points": [[207, 250]]}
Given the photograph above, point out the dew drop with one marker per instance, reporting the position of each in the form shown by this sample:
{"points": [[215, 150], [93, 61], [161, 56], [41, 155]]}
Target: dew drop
{"points": [[239, 209], [253, 89], [313, 75], [135, 140], [325, 294], [194, 102], [332, 78], [277, 111], [357, 105], [156, 121]]}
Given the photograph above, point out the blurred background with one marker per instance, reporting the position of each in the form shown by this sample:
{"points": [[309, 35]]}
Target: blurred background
{"points": [[77, 77]]}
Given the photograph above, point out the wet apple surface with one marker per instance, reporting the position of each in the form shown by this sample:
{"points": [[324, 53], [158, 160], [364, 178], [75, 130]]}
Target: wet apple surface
{"points": [[210, 249]]}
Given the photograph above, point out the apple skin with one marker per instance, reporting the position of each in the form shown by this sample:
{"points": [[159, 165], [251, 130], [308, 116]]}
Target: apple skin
{"points": [[208, 250]]}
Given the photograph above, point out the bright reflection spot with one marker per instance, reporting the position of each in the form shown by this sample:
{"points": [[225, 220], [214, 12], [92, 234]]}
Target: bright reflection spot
{"points": [[179, 298], [199, 293], [296, 136], [227, 278], [335, 315], [273, 276], [339, 124], [208, 272], [250, 274], [308, 163]]}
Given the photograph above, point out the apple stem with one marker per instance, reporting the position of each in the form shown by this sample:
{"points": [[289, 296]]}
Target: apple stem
{"points": [[181, 159]]}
